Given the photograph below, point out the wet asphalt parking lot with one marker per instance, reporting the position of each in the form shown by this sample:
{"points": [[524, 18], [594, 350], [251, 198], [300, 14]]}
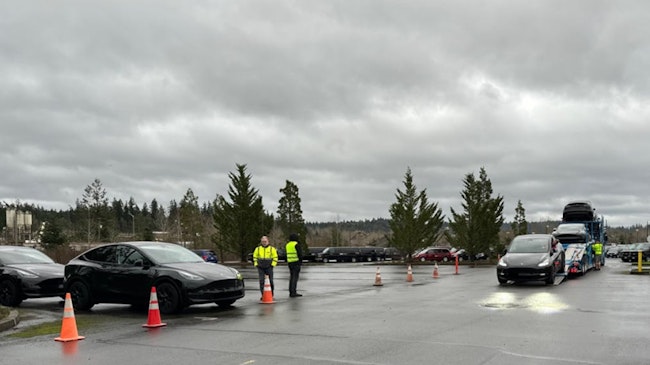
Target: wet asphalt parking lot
{"points": [[343, 318]]}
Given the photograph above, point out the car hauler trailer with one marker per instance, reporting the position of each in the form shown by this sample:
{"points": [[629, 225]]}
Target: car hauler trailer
{"points": [[578, 233]]}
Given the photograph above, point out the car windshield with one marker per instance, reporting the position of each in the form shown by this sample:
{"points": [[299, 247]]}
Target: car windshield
{"points": [[23, 256], [167, 253], [529, 245], [570, 228]]}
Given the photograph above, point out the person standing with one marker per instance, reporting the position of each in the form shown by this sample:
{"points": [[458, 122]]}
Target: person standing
{"points": [[265, 257], [294, 261], [598, 252]]}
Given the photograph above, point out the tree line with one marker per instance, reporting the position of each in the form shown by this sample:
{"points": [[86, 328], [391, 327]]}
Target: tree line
{"points": [[234, 222]]}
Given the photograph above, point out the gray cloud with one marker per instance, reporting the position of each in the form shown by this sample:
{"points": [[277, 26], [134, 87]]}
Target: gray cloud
{"points": [[155, 97]]}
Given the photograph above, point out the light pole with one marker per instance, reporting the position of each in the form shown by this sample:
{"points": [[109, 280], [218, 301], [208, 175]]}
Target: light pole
{"points": [[132, 224]]}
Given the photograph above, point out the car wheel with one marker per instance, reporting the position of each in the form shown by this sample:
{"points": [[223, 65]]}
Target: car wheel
{"points": [[325, 261], [445, 259], [169, 301], [422, 259], [502, 281], [225, 303], [460, 258], [9, 294], [80, 295], [354, 259], [551, 279]]}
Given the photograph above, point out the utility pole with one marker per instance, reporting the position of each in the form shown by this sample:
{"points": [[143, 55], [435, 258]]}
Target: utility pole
{"points": [[132, 225]]}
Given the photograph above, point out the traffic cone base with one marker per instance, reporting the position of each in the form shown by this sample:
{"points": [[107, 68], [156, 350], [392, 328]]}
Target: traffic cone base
{"points": [[409, 274], [267, 294], [69, 323], [378, 278], [154, 320]]}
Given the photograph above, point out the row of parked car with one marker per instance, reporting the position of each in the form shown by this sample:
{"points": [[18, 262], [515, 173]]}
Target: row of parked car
{"points": [[629, 252], [358, 254], [444, 254], [123, 273]]}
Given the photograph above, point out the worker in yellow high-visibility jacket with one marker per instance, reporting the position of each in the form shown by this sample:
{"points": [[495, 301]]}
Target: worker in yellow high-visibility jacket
{"points": [[265, 258], [598, 252]]}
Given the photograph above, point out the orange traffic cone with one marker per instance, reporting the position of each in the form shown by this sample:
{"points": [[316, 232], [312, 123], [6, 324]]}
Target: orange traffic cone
{"points": [[153, 320], [435, 271], [378, 278], [69, 324], [409, 274], [267, 294]]}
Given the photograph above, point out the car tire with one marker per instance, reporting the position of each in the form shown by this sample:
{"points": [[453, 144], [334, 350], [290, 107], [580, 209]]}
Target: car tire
{"points": [[325, 260], [445, 259], [562, 265], [354, 259], [551, 279], [169, 300], [80, 295], [9, 294], [502, 281]]}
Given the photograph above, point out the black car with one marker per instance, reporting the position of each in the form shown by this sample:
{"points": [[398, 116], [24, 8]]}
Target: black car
{"points": [[338, 254], [632, 254], [28, 273], [531, 257], [125, 273], [391, 254], [578, 211], [312, 254]]}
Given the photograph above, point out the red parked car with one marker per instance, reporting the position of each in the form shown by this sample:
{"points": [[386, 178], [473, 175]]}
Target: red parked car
{"points": [[435, 254]]}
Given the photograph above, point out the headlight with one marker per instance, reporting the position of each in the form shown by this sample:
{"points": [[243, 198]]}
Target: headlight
{"points": [[26, 274], [545, 262], [190, 276], [237, 273], [502, 262]]}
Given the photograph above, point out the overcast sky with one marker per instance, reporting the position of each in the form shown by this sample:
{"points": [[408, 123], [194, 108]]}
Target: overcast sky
{"points": [[339, 97]]}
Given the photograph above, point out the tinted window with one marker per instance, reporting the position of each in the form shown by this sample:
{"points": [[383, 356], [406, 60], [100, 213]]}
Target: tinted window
{"points": [[102, 254], [129, 256]]}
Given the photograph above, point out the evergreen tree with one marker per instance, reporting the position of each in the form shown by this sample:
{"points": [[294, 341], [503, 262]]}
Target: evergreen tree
{"points": [[476, 229], [51, 235], [290, 218], [415, 223], [519, 224], [190, 217], [94, 200], [241, 221]]}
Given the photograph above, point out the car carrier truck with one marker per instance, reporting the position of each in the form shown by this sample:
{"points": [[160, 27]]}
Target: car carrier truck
{"points": [[579, 230]]}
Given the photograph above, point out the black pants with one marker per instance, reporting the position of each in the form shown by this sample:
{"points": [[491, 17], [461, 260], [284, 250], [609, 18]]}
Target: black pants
{"points": [[262, 272], [294, 273]]}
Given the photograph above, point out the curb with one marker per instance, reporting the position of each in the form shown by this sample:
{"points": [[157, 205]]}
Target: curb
{"points": [[10, 321]]}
